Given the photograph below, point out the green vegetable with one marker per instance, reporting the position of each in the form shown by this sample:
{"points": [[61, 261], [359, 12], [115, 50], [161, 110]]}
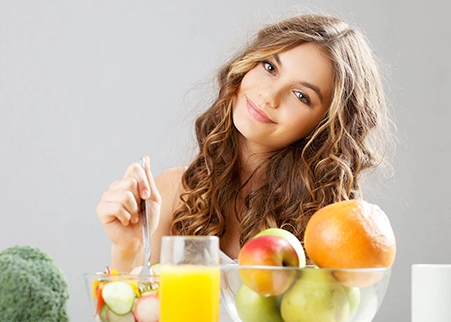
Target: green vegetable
{"points": [[32, 287], [119, 296]]}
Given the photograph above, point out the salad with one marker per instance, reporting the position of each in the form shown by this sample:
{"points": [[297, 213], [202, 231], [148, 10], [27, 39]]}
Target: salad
{"points": [[126, 298]]}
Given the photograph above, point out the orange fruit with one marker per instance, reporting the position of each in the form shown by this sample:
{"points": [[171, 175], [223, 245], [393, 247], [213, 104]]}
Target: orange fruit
{"points": [[350, 234]]}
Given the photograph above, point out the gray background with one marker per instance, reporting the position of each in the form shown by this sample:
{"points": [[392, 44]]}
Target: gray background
{"points": [[87, 87]]}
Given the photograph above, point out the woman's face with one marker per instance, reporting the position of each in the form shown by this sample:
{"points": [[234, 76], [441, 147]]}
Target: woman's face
{"points": [[282, 99]]}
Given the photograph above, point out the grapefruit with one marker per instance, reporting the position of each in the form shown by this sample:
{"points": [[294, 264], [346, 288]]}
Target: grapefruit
{"points": [[350, 234]]}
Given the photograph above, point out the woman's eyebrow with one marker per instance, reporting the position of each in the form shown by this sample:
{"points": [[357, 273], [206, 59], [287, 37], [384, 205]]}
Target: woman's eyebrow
{"points": [[306, 84], [314, 88], [277, 59]]}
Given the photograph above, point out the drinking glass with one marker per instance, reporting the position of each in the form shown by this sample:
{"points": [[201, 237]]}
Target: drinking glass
{"points": [[190, 279], [431, 292]]}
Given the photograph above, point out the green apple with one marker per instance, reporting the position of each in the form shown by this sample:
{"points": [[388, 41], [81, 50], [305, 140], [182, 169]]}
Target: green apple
{"points": [[353, 294], [289, 237], [253, 307], [273, 252], [315, 296]]}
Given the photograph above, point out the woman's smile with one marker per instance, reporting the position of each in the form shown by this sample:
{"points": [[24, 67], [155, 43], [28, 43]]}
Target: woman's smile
{"points": [[257, 113]]}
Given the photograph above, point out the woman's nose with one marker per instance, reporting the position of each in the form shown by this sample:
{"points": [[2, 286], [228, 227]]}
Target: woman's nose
{"points": [[270, 96]]}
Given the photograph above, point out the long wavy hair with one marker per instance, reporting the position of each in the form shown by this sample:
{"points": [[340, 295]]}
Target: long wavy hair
{"points": [[317, 170]]}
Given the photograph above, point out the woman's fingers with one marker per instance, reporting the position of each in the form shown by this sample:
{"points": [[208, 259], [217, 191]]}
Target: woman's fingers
{"points": [[121, 201], [144, 185], [108, 212], [126, 184], [137, 172], [154, 193], [125, 201]]}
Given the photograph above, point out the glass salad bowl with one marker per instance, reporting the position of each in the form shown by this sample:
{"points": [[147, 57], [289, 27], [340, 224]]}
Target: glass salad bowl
{"points": [[122, 297]]}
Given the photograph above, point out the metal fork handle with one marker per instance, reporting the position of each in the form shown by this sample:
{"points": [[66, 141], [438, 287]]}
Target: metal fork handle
{"points": [[144, 214]]}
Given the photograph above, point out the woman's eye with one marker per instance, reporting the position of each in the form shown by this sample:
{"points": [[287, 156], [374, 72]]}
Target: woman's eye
{"points": [[269, 67], [303, 98]]}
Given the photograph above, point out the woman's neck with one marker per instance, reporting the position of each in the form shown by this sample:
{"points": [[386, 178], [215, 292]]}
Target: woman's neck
{"points": [[252, 164]]}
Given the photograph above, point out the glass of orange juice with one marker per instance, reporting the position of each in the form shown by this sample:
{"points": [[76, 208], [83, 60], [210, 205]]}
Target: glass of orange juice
{"points": [[189, 279]]}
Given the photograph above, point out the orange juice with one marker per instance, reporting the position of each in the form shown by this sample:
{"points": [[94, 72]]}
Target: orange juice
{"points": [[189, 293]]}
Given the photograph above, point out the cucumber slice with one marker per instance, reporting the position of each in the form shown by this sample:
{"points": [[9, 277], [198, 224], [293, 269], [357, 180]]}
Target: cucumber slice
{"points": [[148, 292], [119, 296], [113, 317], [156, 268], [102, 313]]}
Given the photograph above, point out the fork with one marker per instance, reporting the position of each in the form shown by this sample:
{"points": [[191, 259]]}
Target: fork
{"points": [[144, 214]]}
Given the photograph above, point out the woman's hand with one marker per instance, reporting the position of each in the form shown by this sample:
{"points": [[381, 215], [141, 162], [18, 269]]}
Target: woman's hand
{"points": [[118, 211]]}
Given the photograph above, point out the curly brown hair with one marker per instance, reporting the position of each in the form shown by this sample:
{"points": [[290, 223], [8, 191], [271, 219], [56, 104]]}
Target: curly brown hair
{"points": [[317, 170]]}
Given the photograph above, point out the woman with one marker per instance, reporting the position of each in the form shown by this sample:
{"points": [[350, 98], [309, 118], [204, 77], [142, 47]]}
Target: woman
{"points": [[288, 134]]}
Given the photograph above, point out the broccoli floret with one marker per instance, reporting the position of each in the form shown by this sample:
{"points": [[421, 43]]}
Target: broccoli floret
{"points": [[32, 287]]}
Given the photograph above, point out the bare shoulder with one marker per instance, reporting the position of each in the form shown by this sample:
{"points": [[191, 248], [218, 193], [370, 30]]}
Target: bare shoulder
{"points": [[170, 178], [169, 184]]}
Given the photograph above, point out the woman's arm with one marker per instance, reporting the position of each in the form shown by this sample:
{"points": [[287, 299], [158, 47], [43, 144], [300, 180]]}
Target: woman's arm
{"points": [[169, 184], [118, 211]]}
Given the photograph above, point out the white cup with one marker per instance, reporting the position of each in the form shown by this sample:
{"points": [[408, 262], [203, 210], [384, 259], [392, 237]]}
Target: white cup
{"points": [[431, 293]]}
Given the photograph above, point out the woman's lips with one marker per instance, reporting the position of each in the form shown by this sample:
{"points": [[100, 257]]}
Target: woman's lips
{"points": [[257, 113]]}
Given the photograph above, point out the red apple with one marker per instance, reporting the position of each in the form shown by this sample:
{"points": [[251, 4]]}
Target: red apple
{"points": [[289, 237], [268, 250]]}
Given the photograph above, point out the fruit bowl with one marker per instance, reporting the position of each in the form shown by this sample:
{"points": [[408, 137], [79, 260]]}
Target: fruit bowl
{"points": [[310, 294], [123, 297]]}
